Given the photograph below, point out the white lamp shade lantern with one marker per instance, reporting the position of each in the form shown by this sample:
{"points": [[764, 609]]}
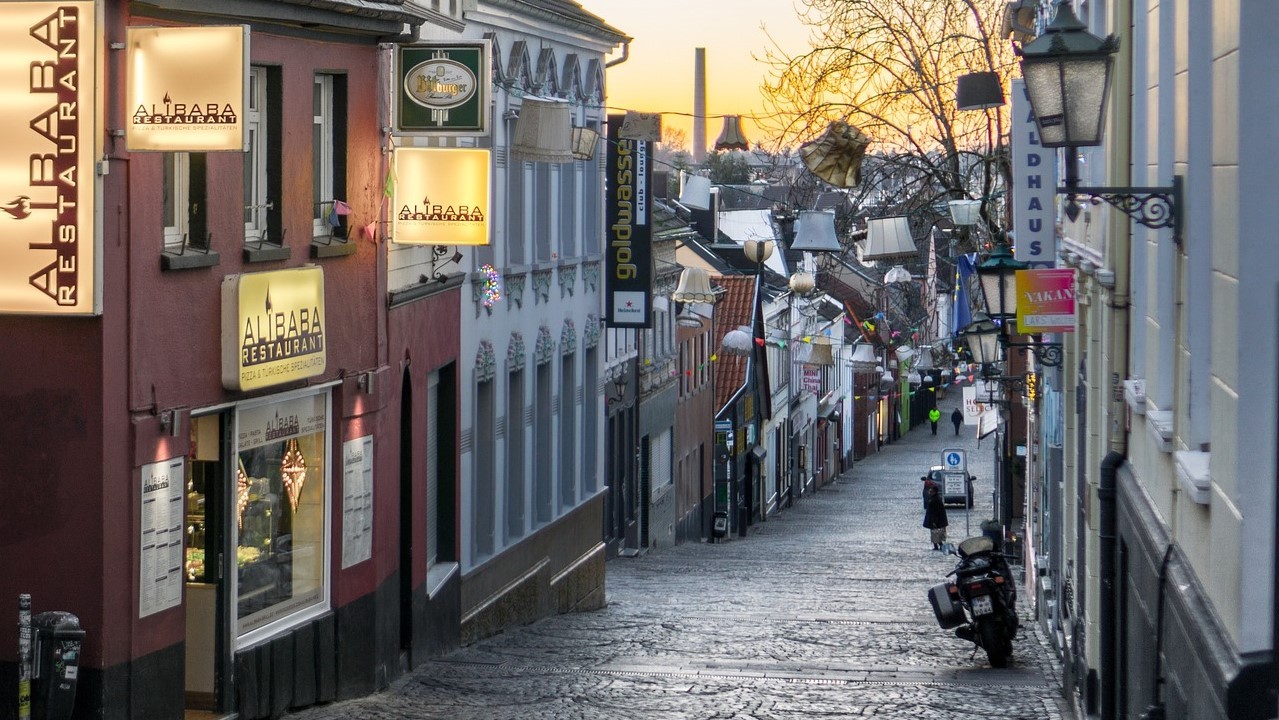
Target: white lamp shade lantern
{"points": [[687, 318], [888, 238], [696, 192], [886, 381], [965, 212], [864, 358], [544, 132], [925, 360], [897, 274], [904, 353], [739, 341], [815, 232], [982, 336], [914, 378], [1067, 72], [1019, 21], [758, 251], [694, 287], [802, 283]]}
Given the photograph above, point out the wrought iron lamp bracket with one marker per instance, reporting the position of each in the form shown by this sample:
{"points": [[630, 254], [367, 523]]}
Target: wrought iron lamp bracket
{"points": [[1153, 207], [1046, 353]]}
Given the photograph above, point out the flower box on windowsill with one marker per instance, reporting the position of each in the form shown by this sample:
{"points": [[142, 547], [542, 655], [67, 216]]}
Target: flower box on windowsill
{"points": [[188, 260]]}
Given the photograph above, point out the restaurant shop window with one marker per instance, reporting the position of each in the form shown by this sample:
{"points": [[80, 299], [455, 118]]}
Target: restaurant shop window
{"points": [[281, 512]]}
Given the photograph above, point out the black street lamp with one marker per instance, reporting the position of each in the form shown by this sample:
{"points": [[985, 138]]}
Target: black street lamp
{"points": [[1067, 71], [998, 275]]}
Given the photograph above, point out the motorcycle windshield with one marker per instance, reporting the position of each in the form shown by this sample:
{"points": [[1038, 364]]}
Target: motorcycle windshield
{"points": [[974, 545]]}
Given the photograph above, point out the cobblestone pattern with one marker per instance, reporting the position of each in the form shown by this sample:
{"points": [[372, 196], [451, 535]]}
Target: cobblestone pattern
{"points": [[820, 612]]}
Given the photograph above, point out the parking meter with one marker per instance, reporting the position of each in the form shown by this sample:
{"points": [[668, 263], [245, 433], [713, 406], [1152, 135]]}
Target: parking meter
{"points": [[56, 664]]}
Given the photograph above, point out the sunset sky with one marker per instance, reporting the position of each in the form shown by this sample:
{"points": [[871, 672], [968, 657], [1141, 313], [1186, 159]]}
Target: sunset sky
{"points": [[658, 76]]}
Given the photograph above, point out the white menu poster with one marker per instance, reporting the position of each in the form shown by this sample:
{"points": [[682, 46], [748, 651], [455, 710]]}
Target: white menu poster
{"points": [[162, 520], [357, 500]]}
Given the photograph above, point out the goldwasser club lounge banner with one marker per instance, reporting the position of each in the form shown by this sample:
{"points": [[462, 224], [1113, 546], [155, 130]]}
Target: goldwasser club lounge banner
{"points": [[628, 277]]}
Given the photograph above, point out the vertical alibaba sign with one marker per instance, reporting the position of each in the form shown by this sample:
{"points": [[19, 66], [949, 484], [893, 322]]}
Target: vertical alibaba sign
{"points": [[628, 282], [1034, 185], [48, 78]]}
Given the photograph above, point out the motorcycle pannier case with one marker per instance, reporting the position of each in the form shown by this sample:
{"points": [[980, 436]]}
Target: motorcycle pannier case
{"points": [[949, 613]]}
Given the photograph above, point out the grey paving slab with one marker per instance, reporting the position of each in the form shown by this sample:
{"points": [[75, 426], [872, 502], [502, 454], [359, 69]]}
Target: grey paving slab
{"points": [[820, 612]]}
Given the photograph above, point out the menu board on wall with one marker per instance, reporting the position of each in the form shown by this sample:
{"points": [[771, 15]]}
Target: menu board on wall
{"points": [[162, 521], [357, 500]]}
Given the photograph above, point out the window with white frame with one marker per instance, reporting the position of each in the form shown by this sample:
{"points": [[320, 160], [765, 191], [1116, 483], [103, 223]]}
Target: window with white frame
{"points": [[183, 185], [257, 201], [322, 210]]}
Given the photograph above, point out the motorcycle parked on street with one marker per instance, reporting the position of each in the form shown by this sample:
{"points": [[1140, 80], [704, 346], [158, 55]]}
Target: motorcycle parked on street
{"points": [[979, 603]]}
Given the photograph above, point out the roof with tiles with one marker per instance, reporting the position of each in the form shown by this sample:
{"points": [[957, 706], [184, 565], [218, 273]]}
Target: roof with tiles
{"points": [[733, 309]]}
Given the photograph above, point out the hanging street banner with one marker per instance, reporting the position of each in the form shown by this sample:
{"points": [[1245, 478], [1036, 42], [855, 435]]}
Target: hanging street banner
{"points": [[1034, 224], [187, 88], [443, 88], [441, 196], [51, 126], [628, 278], [1045, 300]]}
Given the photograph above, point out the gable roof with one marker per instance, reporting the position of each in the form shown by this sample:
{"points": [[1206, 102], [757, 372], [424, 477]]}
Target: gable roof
{"points": [[733, 309]]}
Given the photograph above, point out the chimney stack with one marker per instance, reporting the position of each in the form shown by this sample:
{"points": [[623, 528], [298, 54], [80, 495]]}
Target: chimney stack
{"points": [[699, 106]]}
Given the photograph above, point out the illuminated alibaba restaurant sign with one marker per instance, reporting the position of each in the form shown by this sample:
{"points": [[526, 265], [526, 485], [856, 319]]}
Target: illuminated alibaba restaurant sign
{"points": [[273, 328], [48, 78], [186, 89], [441, 196]]}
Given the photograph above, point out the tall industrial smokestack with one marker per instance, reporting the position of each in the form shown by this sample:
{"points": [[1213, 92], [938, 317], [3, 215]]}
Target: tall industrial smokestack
{"points": [[699, 106]]}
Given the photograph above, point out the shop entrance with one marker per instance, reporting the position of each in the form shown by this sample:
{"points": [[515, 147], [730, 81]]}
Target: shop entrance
{"points": [[208, 530]]}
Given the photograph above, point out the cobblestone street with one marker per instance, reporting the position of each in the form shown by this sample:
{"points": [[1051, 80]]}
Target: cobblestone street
{"points": [[819, 612]]}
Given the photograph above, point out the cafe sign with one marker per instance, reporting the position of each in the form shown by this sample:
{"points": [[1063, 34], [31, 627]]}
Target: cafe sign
{"points": [[48, 186], [186, 89], [441, 196], [443, 88], [273, 327]]}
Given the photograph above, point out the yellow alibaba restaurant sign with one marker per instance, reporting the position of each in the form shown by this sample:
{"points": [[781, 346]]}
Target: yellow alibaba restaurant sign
{"points": [[441, 196], [186, 90], [51, 127], [273, 327]]}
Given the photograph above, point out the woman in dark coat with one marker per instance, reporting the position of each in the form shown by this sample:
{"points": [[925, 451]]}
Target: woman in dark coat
{"points": [[935, 518]]}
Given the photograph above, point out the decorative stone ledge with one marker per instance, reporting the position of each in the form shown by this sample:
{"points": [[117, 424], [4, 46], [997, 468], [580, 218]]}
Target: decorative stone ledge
{"points": [[1159, 425], [1194, 474]]}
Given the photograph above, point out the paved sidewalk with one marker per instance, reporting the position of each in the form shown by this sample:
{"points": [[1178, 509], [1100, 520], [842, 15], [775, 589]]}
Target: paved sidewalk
{"points": [[819, 612]]}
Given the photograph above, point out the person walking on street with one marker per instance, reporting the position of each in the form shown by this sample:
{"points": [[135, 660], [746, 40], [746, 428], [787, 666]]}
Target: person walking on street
{"points": [[957, 419], [929, 486], [935, 519], [933, 416]]}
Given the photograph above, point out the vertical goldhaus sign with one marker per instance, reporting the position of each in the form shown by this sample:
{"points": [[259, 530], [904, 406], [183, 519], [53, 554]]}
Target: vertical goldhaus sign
{"points": [[186, 89], [441, 196], [273, 328], [48, 189]]}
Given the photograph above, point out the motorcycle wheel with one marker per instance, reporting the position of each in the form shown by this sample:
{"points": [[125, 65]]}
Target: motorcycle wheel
{"points": [[995, 644]]}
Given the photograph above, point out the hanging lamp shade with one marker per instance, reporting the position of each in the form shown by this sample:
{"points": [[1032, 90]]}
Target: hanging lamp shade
{"points": [[925, 361], [584, 142], [646, 127], [694, 287], [888, 238], [543, 132], [965, 212], [820, 354], [688, 319], [802, 283], [836, 156], [758, 251], [696, 192], [815, 232], [978, 91], [904, 353], [864, 358], [914, 378], [732, 137], [1019, 21], [898, 274], [739, 341], [886, 381]]}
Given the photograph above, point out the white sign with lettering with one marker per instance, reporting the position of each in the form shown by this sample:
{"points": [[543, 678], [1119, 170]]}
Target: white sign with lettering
{"points": [[1034, 185]]}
